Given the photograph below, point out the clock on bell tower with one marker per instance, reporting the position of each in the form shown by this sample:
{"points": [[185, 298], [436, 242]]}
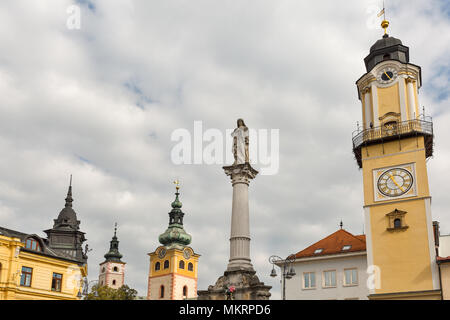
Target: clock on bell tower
{"points": [[392, 148]]}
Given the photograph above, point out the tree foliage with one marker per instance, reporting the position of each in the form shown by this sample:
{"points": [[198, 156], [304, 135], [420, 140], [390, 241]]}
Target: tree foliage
{"points": [[107, 293]]}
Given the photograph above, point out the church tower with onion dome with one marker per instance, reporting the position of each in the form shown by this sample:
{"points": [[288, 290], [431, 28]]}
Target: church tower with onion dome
{"points": [[173, 265], [112, 270]]}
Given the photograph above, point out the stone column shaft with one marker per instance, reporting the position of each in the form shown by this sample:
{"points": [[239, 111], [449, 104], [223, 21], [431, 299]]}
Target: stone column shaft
{"points": [[241, 175]]}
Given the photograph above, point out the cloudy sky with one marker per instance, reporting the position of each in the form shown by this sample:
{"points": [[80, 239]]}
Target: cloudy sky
{"points": [[102, 101]]}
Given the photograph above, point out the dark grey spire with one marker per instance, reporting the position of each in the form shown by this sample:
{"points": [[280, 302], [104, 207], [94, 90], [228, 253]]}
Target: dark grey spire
{"points": [[65, 236], [113, 254]]}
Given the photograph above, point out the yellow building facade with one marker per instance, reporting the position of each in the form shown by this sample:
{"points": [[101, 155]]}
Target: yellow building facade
{"points": [[392, 149], [35, 268], [27, 274]]}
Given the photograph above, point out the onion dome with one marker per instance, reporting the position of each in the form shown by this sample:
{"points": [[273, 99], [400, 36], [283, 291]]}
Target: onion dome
{"points": [[175, 236]]}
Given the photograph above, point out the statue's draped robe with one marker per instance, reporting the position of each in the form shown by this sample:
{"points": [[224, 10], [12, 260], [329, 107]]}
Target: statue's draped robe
{"points": [[240, 133]]}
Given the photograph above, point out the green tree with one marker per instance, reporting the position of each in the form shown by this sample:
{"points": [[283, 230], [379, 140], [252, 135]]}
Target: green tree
{"points": [[107, 293]]}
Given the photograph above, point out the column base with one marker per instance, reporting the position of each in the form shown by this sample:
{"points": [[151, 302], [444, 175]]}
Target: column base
{"points": [[246, 283]]}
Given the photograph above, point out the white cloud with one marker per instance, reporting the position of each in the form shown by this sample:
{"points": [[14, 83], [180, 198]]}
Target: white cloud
{"points": [[101, 102]]}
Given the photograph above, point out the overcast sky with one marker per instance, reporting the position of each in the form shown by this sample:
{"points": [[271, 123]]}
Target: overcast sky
{"points": [[102, 101]]}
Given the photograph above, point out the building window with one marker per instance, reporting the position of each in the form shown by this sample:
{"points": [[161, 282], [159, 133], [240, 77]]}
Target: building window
{"points": [[157, 266], [181, 265], [346, 247], [161, 292], [309, 280], [25, 278], [32, 244], [166, 264], [103, 270], [396, 220], [116, 269], [185, 291], [56, 282], [351, 277], [114, 282], [329, 279], [318, 251], [190, 266]]}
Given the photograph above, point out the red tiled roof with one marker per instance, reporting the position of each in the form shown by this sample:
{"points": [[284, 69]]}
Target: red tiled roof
{"points": [[334, 243], [443, 259]]}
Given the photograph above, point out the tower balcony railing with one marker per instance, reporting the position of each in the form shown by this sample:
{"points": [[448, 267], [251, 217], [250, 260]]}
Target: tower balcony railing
{"points": [[392, 131]]}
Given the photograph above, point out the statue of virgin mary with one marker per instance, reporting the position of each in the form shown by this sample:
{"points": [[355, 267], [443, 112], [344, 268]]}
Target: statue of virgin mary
{"points": [[240, 143]]}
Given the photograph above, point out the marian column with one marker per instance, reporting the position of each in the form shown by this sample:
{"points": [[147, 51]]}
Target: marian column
{"points": [[241, 173], [240, 274]]}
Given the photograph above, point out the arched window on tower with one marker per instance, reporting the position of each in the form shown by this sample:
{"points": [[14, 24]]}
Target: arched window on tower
{"points": [[114, 282], [185, 291], [161, 292], [116, 269], [157, 266], [397, 223], [166, 264], [190, 266], [181, 265]]}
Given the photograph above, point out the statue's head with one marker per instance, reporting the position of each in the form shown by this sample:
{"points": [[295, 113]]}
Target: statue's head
{"points": [[240, 122]]}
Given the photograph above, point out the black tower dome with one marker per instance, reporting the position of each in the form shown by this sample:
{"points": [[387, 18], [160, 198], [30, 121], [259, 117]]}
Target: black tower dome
{"points": [[387, 48]]}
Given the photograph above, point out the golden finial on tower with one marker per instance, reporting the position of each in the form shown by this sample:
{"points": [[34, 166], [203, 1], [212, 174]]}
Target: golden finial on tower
{"points": [[177, 184], [384, 23]]}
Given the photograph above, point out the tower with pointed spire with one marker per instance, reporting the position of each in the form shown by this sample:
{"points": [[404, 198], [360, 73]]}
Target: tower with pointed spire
{"points": [[65, 237], [173, 265], [112, 270]]}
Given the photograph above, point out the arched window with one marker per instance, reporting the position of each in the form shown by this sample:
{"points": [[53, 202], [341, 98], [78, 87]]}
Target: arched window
{"points": [[103, 270], [190, 266], [157, 266], [181, 265], [166, 264], [114, 282], [161, 292], [397, 223], [185, 291], [116, 269]]}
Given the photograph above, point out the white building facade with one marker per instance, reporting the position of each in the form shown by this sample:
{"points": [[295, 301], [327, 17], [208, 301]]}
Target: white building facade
{"points": [[333, 277]]}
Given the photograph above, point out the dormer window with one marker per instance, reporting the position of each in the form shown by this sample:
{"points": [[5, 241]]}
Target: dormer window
{"points": [[318, 251], [346, 247], [32, 244]]}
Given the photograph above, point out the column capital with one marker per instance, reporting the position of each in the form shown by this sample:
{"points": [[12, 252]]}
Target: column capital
{"points": [[410, 80], [240, 173], [366, 90]]}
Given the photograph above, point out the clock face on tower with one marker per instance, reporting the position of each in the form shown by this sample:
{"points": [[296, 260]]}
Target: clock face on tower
{"points": [[187, 254], [162, 253], [387, 75], [395, 182]]}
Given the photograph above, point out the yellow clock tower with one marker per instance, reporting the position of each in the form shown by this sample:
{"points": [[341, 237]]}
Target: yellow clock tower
{"points": [[392, 148]]}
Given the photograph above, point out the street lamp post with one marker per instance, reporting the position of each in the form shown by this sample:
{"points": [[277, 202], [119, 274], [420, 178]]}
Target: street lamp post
{"points": [[288, 269]]}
